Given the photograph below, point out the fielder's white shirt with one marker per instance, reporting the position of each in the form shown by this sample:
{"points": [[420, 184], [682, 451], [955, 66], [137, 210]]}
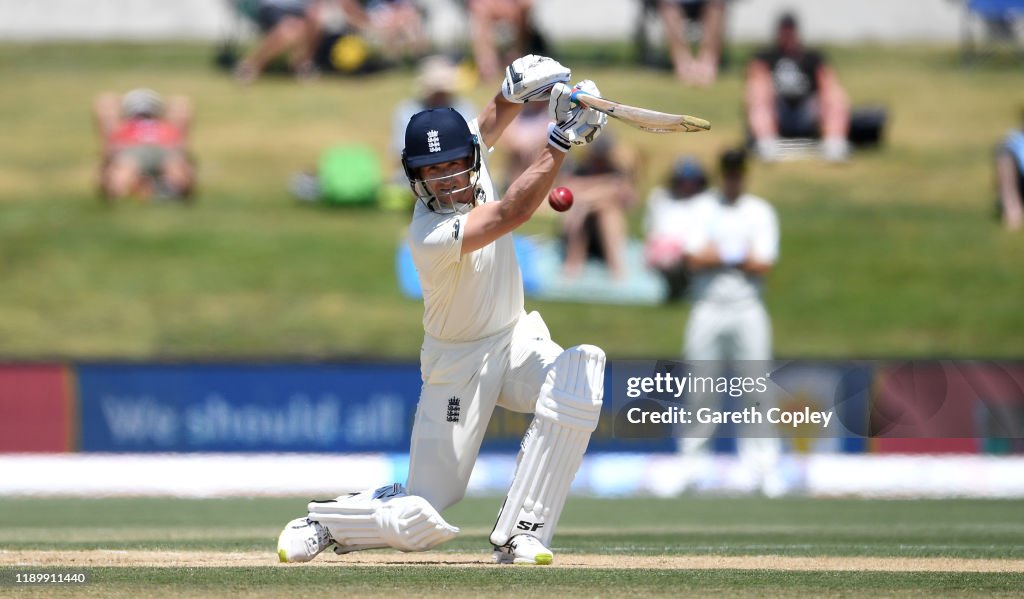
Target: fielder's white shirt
{"points": [[465, 297], [748, 226]]}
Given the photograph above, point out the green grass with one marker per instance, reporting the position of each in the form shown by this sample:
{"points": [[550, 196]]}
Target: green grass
{"points": [[533, 582], [625, 528], [895, 254], [690, 526]]}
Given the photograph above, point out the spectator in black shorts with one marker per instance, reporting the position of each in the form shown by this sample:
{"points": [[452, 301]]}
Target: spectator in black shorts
{"points": [[793, 92], [700, 67]]}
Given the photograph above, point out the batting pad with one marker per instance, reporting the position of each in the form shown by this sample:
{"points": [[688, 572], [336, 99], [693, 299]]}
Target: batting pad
{"points": [[385, 517], [567, 413]]}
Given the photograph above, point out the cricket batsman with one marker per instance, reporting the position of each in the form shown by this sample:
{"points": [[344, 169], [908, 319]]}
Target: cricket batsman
{"points": [[480, 348]]}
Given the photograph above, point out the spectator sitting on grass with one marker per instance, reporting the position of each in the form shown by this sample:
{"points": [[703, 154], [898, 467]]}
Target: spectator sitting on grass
{"points": [[487, 19], [398, 27], [698, 68], [792, 91], [602, 183], [666, 221], [144, 145], [287, 26], [1010, 178]]}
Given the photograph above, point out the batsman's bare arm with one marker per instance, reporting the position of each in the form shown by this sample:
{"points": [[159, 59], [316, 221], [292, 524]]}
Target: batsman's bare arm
{"points": [[495, 118], [490, 221], [487, 222]]}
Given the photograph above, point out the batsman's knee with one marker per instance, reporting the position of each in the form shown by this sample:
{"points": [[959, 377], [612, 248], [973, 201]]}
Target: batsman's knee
{"points": [[574, 389]]}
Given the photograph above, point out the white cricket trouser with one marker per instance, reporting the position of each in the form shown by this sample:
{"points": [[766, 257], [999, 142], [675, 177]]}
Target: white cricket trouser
{"points": [[740, 333], [728, 331], [462, 382]]}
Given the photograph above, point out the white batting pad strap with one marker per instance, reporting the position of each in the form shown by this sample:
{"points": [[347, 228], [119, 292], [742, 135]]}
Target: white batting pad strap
{"points": [[567, 413], [385, 517]]}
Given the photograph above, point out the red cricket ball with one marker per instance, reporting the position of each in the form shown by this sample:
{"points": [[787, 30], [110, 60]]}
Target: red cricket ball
{"points": [[560, 198]]}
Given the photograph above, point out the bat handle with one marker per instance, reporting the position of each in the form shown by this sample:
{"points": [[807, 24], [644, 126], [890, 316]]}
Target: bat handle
{"points": [[574, 95]]}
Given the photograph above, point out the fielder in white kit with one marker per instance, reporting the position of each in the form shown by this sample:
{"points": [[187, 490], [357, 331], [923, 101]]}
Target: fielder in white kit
{"points": [[732, 241], [480, 348]]}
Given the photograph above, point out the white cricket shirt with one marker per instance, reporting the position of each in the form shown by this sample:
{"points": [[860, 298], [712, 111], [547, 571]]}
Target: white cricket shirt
{"points": [[748, 226], [465, 297]]}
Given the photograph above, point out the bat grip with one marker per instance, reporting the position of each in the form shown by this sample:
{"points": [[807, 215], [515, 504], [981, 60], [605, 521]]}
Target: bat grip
{"points": [[574, 95]]}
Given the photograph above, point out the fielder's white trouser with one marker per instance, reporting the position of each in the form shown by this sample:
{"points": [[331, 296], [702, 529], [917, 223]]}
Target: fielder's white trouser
{"points": [[462, 383], [738, 333]]}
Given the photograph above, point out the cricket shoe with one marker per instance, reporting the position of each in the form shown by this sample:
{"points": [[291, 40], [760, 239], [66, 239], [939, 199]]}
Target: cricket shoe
{"points": [[523, 549], [301, 540]]}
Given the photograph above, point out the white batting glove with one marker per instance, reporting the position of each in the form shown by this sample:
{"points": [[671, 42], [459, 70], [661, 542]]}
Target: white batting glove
{"points": [[574, 124], [561, 103], [582, 127], [529, 79]]}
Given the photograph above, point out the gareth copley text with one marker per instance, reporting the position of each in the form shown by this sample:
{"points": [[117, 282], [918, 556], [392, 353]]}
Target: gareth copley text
{"points": [[751, 415]]}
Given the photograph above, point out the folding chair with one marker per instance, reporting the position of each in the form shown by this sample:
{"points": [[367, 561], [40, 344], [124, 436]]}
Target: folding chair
{"points": [[990, 24]]}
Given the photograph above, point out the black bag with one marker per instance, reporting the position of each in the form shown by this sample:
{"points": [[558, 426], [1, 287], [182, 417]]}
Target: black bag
{"points": [[867, 125]]}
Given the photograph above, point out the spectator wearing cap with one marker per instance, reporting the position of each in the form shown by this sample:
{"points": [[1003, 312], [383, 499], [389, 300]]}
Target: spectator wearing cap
{"points": [[437, 86], [732, 242], [145, 145], [792, 91], [666, 219]]}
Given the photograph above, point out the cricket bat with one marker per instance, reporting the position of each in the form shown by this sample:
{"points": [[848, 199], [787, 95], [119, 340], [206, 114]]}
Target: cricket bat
{"points": [[644, 119]]}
